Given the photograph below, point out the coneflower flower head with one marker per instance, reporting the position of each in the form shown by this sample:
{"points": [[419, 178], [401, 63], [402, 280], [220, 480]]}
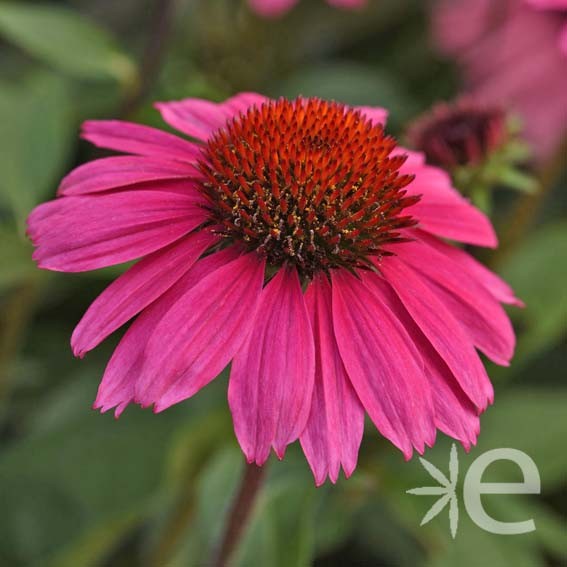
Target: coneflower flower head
{"points": [[307, 183], [296, 242]]}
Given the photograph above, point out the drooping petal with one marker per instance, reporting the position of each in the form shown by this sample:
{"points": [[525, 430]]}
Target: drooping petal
{"points": [[121, 171], [271, 382], [457, 220], [481, 316], [201, 118], [197, 338], [74, 234], [335, 426], [455, 414], [443, 211], [495, 285], [139, 140], [497, 341], [134, 290], [384, 366], [442, 330], [118, 386]]}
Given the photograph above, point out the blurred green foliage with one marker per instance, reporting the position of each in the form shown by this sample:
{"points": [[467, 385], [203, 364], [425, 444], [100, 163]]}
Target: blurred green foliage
{"points": [[80, 489]]}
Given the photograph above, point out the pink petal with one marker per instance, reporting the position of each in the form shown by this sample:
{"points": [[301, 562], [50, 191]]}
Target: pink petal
{"points": [[335, 426], [481, 316], [271, 382], [442, 210], [118, 385], [455, 414], [121, 171], [271, 8], [241, 102], [458, 24], [457, 221], [441, 328], [549, 4], [139, 140], [199, 336], [134, 290], [495, 285], [75, 234], [563, 40], [384, 366], [201, 118], [375, 114], [414, 160]]}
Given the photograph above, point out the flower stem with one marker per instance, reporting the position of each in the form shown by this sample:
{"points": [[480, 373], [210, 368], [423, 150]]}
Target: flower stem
{"points": [[14, 320], [157, 38], [240, 513]]}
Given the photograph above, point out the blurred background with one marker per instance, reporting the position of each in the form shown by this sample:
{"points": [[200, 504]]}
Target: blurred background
{"points": [[78, 488]]}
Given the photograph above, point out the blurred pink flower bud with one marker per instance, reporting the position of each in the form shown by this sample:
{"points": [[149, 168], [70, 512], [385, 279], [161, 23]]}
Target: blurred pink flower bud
{"points": [[512, 53]]}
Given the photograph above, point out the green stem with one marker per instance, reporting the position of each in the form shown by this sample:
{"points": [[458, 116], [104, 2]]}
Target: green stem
{"points": [[240, 514], [155, 49], [482, 198], [13, 323]]}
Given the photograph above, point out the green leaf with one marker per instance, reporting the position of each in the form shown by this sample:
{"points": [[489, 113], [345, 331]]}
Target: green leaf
{"points": [[550, 528], [16, 264], [530, 420], [518, 419], [213, 490], [37, 131], [38, 514], [381, 534], [334, 517], [195, 449], [65, 40], [89, 480], [518, 180], [353, 84], [537, 271], [473, 547], [282, 529]]}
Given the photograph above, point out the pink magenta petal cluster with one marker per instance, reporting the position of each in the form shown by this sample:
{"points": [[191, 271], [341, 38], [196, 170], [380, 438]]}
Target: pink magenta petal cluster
{"points": [[513, 53], [311, 352], [560, 9], [276, 8]]}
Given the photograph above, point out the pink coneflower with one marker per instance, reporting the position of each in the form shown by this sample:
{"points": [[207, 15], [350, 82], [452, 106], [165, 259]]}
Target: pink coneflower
{"points": [[276, 8], [513, 53], [290, 240]]}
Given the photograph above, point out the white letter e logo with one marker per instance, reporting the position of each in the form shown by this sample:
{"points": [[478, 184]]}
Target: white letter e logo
{"points": [[474, 488]]}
